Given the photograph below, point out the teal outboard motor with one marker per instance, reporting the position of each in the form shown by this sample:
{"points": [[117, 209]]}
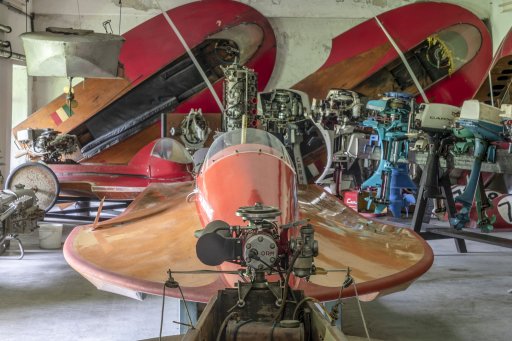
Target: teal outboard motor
{"points": [[485, 124], [390, 119]]}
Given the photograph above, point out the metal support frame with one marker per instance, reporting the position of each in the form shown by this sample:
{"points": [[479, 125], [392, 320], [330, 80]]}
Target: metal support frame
{"points": [[433, 179], [437, 180], [163, 125], [441, 233], [7, 239], [484, 222], [84, 208]]}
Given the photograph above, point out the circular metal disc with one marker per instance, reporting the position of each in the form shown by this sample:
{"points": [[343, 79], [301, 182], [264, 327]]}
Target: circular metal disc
{"points": [[39, 178], [258, 211]]}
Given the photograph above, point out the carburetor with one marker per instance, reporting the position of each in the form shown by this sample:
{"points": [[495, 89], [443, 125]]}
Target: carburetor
{"points": [[262, 246], [240, 97]]}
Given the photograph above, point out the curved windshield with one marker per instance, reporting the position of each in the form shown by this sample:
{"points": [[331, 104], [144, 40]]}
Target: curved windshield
{"points": [[254, 140], [171, 150], [455, 46]]}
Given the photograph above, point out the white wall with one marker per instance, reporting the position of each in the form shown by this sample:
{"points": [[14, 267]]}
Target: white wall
{"points": [[17, 22], [5, 114], [501, 21]]}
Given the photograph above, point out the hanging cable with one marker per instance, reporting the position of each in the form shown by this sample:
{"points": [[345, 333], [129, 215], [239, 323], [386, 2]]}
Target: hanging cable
{"points": [[336, 309], [162, 314], [26, 16], [79, 19], [361, 312], [172, 283], [120, 7], [490, 89]]}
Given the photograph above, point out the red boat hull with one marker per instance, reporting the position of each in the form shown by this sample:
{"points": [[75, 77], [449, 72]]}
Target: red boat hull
{"points": [[124, 256], [360, 52]]}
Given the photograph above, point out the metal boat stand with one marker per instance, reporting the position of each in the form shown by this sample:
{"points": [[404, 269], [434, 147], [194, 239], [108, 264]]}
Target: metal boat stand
{"points": [[436, 184]]}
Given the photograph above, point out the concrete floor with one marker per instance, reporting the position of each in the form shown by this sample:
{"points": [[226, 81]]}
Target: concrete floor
{"points": [[462, 297]]}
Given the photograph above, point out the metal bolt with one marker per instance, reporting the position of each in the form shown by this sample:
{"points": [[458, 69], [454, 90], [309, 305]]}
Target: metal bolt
{"points": [[260, 238], [272, 246], [248, 245], [272, 259]]}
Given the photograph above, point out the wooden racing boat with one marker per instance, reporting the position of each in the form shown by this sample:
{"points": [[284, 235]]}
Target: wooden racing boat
{"points": [[131, 253], [449, 55], [160, 77], [163, 160]]}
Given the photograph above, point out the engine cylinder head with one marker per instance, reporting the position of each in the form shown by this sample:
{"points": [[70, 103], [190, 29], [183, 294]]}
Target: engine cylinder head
{"points": [[240, 97]]}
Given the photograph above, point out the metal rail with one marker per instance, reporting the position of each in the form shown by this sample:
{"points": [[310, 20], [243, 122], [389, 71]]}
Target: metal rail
{"points": [[85, 206], [439, 233]]}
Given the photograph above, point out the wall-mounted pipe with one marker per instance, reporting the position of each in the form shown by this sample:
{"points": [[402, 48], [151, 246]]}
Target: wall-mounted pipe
{"points": [[12, 55], [4, 44], [5, 28]]}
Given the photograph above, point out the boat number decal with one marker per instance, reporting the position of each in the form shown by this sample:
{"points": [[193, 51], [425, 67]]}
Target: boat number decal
{"points": [[505, 208]]}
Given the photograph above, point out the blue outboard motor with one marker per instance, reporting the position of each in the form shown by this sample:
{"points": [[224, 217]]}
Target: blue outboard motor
{"points": [[485, 124], [390, 120]]}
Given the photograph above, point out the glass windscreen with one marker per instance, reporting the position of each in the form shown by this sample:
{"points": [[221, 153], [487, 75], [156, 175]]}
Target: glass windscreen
{"points": [[454, 46], [250, 140], [171, 150]]}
